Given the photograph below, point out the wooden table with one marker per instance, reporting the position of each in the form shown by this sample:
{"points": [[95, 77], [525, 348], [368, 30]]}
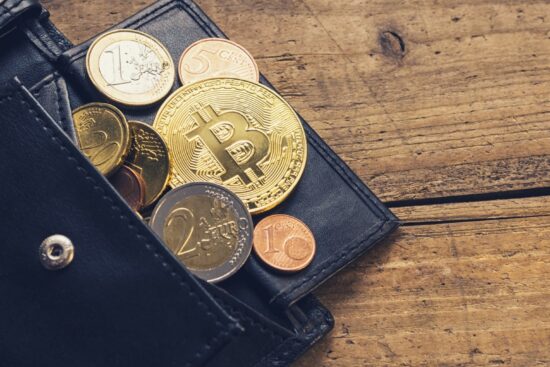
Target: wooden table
{"points": [[443, 109]]}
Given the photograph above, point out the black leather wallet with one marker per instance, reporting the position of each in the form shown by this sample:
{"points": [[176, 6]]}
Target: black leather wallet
{"points": [[125, 300]]}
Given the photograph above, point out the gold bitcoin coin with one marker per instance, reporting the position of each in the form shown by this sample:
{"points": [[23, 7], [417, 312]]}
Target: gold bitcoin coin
{"points": [[207, 227], [130, 67], [149, 157], [216, 58], [103, 135], [236, 133]]}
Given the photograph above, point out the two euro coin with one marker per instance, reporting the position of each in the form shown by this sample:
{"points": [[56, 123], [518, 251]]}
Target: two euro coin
{"points": [[207, 227], [124, 149]]}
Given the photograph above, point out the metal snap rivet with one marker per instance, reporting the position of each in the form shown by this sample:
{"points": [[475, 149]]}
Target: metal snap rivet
{"points": [[56, 252]]}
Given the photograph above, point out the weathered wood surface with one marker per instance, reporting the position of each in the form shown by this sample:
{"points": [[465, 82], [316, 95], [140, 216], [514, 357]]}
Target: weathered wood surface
{"points": [[460, 106], [459, 294], [475, 211], [439, 103]]}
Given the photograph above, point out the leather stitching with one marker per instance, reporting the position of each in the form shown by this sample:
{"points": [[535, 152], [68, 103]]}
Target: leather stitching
{"points": [[346, 251], [97, 189], [343, 256], [53, 79], [59, 103], [42, 42], [39, 49], [203, 23]]}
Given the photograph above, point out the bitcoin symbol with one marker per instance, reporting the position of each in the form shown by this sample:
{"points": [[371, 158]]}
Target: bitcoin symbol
{"points": [[236, 146]]}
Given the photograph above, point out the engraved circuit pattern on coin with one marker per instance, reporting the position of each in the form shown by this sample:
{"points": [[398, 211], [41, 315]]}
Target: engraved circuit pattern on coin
{"points": [[130, 186], [103, 135], [130, 67], [216, 58], [149, 157], [237, 134], [284, 242], [207, 227]]}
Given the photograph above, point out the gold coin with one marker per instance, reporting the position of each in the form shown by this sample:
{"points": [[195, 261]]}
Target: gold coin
{"points": [[207, 227], [216, 58], [103, 135], [284, 242], [235, 133], [149, 157], [130, 67]]}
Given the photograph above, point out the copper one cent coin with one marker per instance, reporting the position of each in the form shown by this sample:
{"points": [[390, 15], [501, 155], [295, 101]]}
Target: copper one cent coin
{"points": [[216, 58], [130, 186], [284, 242]]}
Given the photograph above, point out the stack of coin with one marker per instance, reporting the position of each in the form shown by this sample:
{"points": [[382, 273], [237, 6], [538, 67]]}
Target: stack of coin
{"points": [[227, 145], [132, 154]]}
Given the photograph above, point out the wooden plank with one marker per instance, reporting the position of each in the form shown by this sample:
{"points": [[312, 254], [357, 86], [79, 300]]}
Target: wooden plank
{"points": [[80, 20], [474, 211], [460, 110], [422, 98], [461, 294]]}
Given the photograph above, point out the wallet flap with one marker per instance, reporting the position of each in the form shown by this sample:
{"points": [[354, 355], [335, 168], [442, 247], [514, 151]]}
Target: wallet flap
{"points": [[124, 299]]}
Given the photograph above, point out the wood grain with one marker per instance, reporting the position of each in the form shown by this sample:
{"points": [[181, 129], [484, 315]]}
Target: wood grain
{"points": [[439, 103], [461, 294], [423, 99]]}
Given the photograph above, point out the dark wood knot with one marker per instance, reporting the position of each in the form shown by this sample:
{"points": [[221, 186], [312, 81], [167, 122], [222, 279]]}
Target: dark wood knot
{"points": [[392, 44]]}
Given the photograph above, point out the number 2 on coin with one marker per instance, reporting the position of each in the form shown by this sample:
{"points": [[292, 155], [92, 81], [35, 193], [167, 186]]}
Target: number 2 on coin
{"points": [[186, 216]]}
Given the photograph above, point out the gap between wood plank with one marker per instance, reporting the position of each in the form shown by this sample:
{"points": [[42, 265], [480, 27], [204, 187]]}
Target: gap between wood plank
{"points": [[474, 211], [512, 194]]}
